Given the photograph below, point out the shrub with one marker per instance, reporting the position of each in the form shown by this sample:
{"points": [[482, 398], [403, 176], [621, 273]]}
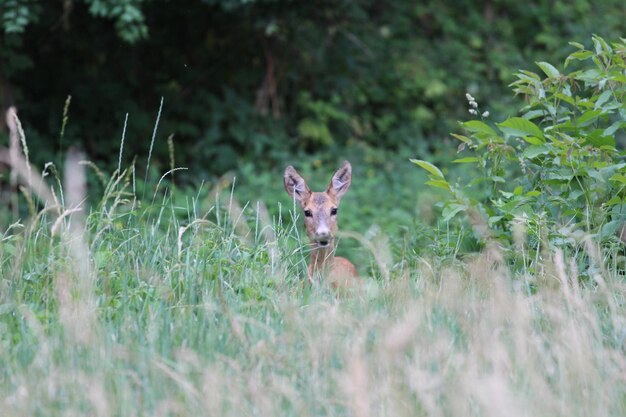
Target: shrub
{"points": [[556, 170]]}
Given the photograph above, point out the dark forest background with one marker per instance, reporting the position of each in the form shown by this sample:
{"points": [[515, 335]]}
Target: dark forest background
{"points": [[265, 80]]}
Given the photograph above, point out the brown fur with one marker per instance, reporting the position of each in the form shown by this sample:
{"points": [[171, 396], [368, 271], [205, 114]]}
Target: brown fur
{"points": [[321, 226]]}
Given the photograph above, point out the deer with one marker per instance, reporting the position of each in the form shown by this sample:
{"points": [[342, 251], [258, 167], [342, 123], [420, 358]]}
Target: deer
{"points": [[320, 219]]}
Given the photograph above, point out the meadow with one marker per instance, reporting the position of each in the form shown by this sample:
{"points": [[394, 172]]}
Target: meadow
{"points": [[147, 299], [127, 310]]}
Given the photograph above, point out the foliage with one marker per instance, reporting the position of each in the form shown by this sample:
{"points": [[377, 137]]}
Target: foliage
{"points": [[129, 19], [16, 15], [262, 80], [558, 169]]}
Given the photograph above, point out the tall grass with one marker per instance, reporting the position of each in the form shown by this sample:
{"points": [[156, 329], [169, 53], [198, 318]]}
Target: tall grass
{"points": [[125, 315], [125, 310]]}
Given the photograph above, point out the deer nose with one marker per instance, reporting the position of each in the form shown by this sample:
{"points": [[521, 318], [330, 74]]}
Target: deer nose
{"points": [[322, 234], [322, 231]]}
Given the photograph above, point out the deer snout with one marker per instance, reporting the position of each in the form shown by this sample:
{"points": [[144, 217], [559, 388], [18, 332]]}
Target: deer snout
{"points": [[322, 235]]}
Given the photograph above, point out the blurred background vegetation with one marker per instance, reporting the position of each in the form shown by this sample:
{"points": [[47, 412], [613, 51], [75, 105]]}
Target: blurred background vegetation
{"points": [[251, 85], [501, 292]]}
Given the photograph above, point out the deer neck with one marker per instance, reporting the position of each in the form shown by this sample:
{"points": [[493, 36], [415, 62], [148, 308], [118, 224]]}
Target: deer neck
{"points": [[322, 258]]}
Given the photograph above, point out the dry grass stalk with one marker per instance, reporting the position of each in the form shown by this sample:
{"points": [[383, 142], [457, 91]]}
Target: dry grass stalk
{"points": [[14, 153], [20, 167], [356, 387], [269, 237], [77, 306]]}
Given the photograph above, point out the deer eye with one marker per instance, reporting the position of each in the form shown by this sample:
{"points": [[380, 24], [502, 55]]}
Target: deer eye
{"points": [[333, 211], [308, 213]]}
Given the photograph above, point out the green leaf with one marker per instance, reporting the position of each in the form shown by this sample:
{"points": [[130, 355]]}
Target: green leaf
{"points": [[451, 210], [599, 140], [576, 194], [614, 201], [549, 69], [533, 140], [535, 150], [428, 167], [531, 75], [566, 98], [469, 159], [462, 138], [609, 131], [579, 56], [443, 184], [517, 126], [493, 220], [560, 176], [618, 178], [601, 45], [610, 228], [588, 117], [532, 114], [603, 98], [589, 76], [476, 126]]}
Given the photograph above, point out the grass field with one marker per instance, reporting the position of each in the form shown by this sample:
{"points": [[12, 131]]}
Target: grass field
{"points": [[129, 311]]}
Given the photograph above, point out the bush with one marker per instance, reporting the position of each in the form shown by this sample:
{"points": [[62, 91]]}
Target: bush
{"points": [[556, 170]]}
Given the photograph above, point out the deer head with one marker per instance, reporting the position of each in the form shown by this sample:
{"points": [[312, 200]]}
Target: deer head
{"points": [[320, 208]]}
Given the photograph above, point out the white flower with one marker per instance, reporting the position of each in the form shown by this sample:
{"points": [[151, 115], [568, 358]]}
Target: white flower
{"points": [[485, 114], [473, 104], [469, 97], [472, 111]]}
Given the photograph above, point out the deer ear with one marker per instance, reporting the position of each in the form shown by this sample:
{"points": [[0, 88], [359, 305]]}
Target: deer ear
{"points": [[295, 185], [341, 180]]}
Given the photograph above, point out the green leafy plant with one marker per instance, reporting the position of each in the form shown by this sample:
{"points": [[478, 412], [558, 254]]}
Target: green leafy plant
{"points": [[557, 169], [127, 14], [16, 15]]}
